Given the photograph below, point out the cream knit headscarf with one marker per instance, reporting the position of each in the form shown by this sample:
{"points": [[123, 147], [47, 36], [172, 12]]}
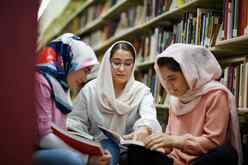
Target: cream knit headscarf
{"points": [[129, 100]]}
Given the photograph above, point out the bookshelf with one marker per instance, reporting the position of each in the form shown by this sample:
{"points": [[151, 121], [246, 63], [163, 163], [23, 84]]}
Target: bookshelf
{"points": [[164, 18], [243, 110], [229, 51], [112, 12], [73, 9], [231, 47]]}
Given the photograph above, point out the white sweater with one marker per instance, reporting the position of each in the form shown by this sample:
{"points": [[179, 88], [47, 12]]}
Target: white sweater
{"points": [[86, 114]]}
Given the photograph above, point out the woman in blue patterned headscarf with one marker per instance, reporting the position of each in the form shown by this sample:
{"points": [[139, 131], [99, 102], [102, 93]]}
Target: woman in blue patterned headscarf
{"points": [[62, 67], [64, 63]]}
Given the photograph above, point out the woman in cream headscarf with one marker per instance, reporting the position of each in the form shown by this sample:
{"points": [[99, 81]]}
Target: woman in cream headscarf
{"points": [[115, 99], [203, 120]]}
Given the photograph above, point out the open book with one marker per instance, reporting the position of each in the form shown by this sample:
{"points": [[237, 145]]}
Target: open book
{"points": [[81, 142], [124, 143], [118, 139]]}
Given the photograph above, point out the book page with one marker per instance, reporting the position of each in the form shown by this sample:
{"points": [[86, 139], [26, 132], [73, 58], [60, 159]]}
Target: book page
{"points": [[82, 134], [118, 138]]}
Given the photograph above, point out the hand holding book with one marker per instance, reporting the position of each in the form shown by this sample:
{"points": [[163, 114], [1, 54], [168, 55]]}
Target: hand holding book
{"points": [[130, 139], [79, 141], [118, 139], [139, 135]]}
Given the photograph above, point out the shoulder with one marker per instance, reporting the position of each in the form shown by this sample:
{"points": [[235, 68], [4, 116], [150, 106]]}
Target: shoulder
{"points": [[40, 80], [141, 85], [90, 85], [218, 96], [217, 93], [88, 88]]}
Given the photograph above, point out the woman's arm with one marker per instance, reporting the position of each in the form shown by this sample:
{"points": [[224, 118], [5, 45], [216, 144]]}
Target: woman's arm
{"points": [[44, 108], [214, 130], [147, 123]]}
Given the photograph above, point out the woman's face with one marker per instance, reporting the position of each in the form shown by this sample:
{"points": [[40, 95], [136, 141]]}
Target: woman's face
{"points": [[122, 63], [175, 83], [75, 79]]}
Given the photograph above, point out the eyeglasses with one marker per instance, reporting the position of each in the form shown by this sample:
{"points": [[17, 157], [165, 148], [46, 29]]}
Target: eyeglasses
{"points": [[116, 64]]}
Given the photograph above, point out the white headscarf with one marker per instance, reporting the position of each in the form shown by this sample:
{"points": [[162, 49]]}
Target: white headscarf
{"points": [[129, 100], [201, 70]]}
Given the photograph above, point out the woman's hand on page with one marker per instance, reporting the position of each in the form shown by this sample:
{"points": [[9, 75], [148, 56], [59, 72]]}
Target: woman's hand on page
{"points": [[163, 140], [100, 160], [139, 134]]}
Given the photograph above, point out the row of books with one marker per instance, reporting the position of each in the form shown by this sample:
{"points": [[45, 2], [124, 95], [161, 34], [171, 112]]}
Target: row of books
{"points": [[147, 9], [154, 8], [91, 13], [235, 77], [149, 78], [235, 18], [199, 28], [155, 41], [128, 19]]}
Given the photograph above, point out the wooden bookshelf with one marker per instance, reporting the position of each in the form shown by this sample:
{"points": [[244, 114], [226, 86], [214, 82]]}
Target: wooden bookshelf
{"points": [[144, 65], [57, 31], [77, 12], [243, 110], [174, 14], [162, 107], [122, 35], [110, 14], [165, 19], [232, 47]]}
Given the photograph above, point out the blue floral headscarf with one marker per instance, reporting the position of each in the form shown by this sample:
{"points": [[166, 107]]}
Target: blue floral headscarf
{"points": [[61, 56]]}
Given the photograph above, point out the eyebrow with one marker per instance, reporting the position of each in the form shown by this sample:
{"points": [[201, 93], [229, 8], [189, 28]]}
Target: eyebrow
{"points": [[129, 59], [169, 77]]}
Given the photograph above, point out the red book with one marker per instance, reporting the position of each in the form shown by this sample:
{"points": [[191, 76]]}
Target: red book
{"points": [[83, 145], [242, 16]]}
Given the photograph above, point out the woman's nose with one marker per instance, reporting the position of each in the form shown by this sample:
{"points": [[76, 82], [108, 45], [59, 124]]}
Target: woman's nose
{"points": [[121, 67]]}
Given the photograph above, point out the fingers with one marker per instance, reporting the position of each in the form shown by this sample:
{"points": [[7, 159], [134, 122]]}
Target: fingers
{"points": [[162, 150], [154, 142], [151, 138], [157, 146], [129, 136], [105, 158]]}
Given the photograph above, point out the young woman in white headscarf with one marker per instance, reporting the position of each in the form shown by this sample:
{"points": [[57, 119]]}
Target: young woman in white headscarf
{"points": [[62, 68], [115, 99], [203, 126]]}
